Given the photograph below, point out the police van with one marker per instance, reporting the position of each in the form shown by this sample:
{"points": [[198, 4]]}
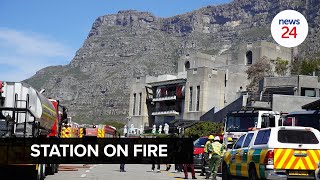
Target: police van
{"points": [[274, 153]]}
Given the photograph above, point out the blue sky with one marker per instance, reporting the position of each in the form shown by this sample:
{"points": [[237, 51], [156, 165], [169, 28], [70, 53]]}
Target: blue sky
{"points": [[39, 33]]}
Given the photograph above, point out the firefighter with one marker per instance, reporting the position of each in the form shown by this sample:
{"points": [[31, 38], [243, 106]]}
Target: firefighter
{"points": [[230, 141], [216, 150], [206, 156]]}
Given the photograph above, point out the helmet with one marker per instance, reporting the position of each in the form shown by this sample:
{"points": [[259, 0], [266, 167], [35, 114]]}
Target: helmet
{"points": [[230, 139], [217, 138], [211, 137]]}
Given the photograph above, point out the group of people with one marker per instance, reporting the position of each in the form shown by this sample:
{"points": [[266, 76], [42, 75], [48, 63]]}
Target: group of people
{"points": [[213, 153]]}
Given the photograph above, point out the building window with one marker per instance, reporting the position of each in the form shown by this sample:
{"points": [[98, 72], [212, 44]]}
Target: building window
{"points": [[198, 98], [187, 65], [190, 101], [310, 92], [140, 100], [249, 57], [134, 103]]}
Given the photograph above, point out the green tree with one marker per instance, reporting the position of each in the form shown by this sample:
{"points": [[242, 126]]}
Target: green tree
{"points": [[281, 66], [257, 71], [305, 66], [203, 128], [309, 66]]}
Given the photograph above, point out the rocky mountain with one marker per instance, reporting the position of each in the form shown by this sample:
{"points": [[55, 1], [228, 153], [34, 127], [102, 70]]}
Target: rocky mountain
{"points": [[95, 85]]}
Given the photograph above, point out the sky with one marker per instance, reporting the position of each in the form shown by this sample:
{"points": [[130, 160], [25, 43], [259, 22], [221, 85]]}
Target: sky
{"points": [[38, 33]]}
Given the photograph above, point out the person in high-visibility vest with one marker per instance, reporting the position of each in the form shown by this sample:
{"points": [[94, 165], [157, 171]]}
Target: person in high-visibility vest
{"points": [[216, 150], [205, 165]]}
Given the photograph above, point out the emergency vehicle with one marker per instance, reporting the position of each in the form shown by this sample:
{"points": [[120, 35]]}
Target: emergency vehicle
{"points": [[27, 113], [274, 153], [69, 129], [237, 123], [303, 118], [106, 131]]}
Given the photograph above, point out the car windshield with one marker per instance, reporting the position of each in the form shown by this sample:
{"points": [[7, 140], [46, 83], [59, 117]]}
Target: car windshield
{"points": [[241, 123], [200, 142]]}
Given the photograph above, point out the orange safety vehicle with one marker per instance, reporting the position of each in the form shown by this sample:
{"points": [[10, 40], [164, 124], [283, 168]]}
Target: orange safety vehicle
{"points": [[90, 131], [110, 131], [69, 129]]}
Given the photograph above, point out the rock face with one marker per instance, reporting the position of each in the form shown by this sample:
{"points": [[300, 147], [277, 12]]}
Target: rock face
{"points": [[95, 85]]}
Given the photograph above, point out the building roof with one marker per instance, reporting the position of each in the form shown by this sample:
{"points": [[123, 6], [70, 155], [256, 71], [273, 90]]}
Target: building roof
{"points": [[315, 105], [168, 82], [304, 112]]}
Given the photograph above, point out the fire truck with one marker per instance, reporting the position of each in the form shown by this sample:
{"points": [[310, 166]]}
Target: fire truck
{"points": [[69, 129], [27, 113], [99, 131], [238, 123], [90, 131], [309, 118], [110, 131]]}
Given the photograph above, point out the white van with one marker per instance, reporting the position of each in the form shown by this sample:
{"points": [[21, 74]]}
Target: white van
{"points": [[274, 153]]}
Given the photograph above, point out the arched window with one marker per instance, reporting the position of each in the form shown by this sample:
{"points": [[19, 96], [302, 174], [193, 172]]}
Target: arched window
{"points": [[249, 57], [187, 65]]}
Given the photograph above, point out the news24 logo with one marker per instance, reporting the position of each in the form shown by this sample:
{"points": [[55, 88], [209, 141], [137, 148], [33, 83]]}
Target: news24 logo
{"points": [[289, 28]]}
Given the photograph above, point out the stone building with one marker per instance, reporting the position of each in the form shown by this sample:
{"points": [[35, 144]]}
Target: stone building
{"points": [[203, 82], [283, 94]]}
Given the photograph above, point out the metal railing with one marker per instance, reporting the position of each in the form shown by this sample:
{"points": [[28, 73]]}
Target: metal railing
{"points": [[168, 94], [252, 97], [166, 108]]}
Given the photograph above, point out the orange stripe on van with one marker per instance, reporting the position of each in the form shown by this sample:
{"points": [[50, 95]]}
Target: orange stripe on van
{"points": [[294, 164], [285, 159], [279, 154]]}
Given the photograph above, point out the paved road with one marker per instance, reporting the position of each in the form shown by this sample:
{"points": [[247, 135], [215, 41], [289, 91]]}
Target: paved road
{"points": [[111, 172]]}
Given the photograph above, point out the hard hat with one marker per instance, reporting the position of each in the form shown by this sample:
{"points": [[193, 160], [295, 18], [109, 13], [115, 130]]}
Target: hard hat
{"points": [[217, 138], [230, 139], [211, 137]]}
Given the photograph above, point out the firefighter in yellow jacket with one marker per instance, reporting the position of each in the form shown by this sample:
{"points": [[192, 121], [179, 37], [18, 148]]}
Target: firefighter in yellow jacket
{"points": [[216, 150], [205, 165]]}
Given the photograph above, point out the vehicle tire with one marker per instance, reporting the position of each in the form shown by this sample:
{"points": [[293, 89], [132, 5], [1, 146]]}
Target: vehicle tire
{"points": [[253, 173], [225, 173], [50, 169], [43, 171], [33, 173], [56, 168]]}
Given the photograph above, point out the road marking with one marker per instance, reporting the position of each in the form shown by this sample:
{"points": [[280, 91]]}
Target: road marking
{"points": [[83, 175], [171, 174], [178, 179], [91, 168], [95, 165], [87, 171]]}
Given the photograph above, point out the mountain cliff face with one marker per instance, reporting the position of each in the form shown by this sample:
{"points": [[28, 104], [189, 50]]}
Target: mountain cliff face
{"points": [[95, 85]]}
